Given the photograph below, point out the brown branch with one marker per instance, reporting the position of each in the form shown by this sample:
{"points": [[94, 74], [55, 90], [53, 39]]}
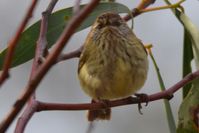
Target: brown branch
{"points": [[73, 54], [26, 116], [41, 47], [167, 94], [76, 7], [136, 11], [36, 106], [45, 66], [40, 53], [13, 43]]}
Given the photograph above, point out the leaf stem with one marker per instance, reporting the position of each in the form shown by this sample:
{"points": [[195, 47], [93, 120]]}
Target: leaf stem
{"points": [[170, 118], [176, 5]]}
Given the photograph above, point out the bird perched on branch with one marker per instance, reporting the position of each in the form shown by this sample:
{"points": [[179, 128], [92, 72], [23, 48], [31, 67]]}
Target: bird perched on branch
{"points": [[113, 63]]}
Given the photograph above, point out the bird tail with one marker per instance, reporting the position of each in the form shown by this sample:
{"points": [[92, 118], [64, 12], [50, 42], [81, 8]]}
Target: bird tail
{"points": [[102, 114]]}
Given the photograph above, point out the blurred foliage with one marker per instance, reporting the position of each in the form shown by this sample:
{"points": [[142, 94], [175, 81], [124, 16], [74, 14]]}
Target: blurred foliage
{"points": [[189, 109], [57, 21]]}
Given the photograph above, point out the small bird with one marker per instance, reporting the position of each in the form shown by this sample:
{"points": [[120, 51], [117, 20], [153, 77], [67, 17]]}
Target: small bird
{"points": [[113, 63]]}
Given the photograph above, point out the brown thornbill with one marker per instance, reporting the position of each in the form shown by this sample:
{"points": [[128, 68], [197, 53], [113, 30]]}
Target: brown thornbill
{"points": [[113, 63]]}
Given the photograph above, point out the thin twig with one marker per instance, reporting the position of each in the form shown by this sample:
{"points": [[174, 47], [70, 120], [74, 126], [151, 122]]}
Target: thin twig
{"points": [[45, 66], [73, 54], [40, 52], [76, 7], [41, 47], [142, 8], [13, 43], [135, 12], [167, 94], [176, 5]]}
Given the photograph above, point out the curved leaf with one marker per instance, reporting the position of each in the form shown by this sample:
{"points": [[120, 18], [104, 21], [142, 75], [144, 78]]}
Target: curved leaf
{"points": [[57, 21], [188, 112], [170, 118], [187, 58]]}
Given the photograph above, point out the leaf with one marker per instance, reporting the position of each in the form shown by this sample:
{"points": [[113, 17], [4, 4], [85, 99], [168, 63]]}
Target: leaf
{"points": [[187, 58], [170, 118], [57, 21], [192, 32], [188, 112]]}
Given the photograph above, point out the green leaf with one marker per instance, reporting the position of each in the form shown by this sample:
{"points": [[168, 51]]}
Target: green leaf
{"points": [[57, 21], [187, 58], [188, 112], [170, 118]]}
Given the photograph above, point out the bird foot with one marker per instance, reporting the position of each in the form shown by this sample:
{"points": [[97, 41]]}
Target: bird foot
{"points": [[142, 97]]}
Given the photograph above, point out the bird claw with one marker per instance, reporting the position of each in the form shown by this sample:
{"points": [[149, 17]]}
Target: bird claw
{"points": [[142, 97]]}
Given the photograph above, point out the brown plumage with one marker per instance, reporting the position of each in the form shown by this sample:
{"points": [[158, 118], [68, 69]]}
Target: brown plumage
{"points": [[113, 63]]}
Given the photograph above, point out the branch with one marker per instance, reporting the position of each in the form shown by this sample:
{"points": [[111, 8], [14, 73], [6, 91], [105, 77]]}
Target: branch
{"points": [[136, 11], [36, 106], [167, 94], [176, 5], [44, 68], [76, 7], [41, 47], [13, 43], [26, 116], [40, 53], [73, 54]]}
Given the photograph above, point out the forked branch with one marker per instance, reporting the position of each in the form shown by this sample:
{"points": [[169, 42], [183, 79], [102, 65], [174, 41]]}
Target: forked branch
{"points": [[45, 66]]}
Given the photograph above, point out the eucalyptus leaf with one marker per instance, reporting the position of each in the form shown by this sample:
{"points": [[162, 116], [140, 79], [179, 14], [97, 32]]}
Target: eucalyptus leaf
{"points": [[169, 114], [188, 112], [57, 21], [187, 59], [189, 108]]}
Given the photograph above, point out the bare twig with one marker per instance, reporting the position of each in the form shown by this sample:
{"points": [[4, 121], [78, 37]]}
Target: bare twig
{"points": [[40, 52], [13, 43], [135, 12], [45, 66], [26, 116], [73, 54], [76, 7], [41, 47], [142, 8], [167, 94], [176, 5]]}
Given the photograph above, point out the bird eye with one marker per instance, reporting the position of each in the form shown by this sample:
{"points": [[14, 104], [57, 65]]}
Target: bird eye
{"points": [[99, 26]]}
